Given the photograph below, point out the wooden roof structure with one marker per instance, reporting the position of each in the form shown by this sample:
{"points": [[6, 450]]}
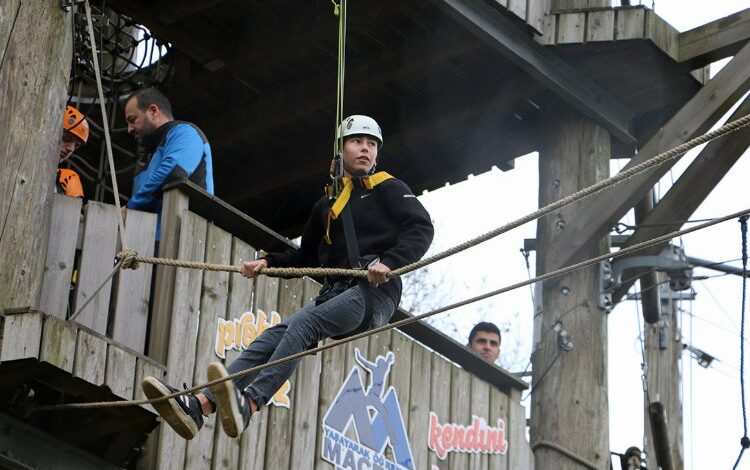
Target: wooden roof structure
{"points": [[457, 86]]}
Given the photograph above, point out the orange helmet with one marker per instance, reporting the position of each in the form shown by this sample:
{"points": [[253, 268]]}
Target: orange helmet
{"points": [[76, 124]]}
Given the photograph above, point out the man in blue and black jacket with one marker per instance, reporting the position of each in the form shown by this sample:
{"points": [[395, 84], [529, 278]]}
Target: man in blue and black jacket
{"points": [[177, 149]]}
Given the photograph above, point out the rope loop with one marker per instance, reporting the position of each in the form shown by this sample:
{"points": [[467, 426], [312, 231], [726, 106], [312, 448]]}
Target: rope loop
{"points": [[129, 259]]}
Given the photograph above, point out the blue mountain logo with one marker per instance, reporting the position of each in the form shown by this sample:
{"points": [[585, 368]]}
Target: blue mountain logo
{"points": [[374, 415]]}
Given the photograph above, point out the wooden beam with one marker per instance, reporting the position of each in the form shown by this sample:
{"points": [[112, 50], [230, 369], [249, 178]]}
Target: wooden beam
{"points": [[259, 51], [424, 125], [716, 40], [35, 50], [594, 217], [693, 186], [296, 102], [171, 11], [542, 65], [195, 46]]}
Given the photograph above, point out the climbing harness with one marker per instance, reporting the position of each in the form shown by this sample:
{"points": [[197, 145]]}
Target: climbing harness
{"points": [[342, 198]]}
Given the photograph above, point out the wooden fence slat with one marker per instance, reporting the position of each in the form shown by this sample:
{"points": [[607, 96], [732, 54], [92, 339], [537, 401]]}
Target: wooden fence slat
{"points": [[174, 205], [460, 410], [213, 306], [280, 419], [305, 404], [91, 358], [440, 386], [183, 329], [401, 371], [253, 441], [662, 34], [629, 23], [61, 250], [570, 28], [119, 373], [518, 8], [419, 404], [535, 11], [519, 453], [133, 287], [143, 369], [480, 406], [333, 373], [240, 291], [600, 26], [21, 336], [58, 343], [498, 410], [97, 261]]}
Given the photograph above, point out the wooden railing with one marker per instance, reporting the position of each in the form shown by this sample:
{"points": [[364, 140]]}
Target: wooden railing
{"points": [[197, 317]]}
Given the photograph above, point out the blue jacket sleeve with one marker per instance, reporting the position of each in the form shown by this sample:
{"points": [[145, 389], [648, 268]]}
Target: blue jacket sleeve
{"points": [[183, 148]]}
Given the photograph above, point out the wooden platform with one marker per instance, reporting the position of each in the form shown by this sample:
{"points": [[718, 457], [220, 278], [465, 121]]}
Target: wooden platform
{"points": [[45, 361]]}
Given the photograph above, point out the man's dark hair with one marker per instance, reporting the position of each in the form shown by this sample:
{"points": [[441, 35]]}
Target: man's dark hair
{"points": [[148, 96], [484, 326]]}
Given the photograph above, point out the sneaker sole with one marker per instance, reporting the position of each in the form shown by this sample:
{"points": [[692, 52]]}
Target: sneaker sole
{"points": [[229, 411], [169, 410]]}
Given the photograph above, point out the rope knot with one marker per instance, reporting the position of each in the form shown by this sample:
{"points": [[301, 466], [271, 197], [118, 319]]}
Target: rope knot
{"points": [[129, 259]]}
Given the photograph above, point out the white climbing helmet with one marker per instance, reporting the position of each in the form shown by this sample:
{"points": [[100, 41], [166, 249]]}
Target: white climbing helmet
{"points": [[358, 124]]}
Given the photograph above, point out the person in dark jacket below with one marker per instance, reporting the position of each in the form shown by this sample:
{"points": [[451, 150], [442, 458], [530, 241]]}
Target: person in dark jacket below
{"points": [[392, 229], [175, 149]]}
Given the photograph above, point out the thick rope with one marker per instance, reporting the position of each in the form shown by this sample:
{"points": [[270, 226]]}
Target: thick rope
{"points": [[93, 295], [404, 322], [575, 197], [105, 125]]}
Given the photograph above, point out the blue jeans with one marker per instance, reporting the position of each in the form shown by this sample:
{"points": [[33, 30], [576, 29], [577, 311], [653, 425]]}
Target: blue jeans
{"points": [[306, 327]]}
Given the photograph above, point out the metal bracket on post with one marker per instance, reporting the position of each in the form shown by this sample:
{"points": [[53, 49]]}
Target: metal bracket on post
{"points": [[605, 286], [65, 5], [671, 260]]}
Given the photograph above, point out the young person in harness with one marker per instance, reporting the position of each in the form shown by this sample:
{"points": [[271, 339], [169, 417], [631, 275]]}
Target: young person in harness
{"points": [[75, 135], [372, 222], [175, 150]]}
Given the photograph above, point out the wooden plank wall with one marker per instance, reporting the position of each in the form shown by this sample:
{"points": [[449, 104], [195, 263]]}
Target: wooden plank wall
{"points": [[530, 11], [585, 25], [81, 351], [281, 437], [121, 308]]}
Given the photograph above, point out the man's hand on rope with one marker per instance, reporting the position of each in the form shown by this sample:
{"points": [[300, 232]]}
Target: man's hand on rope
{"points": [[377, 273], [251, 269]]}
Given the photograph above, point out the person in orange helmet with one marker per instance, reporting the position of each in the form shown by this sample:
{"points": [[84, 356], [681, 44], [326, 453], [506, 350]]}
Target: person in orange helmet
{"points": [[75, 135]]}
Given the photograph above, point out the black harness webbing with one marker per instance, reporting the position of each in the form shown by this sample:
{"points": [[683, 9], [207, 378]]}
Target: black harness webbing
{"points": [[352, 249]]}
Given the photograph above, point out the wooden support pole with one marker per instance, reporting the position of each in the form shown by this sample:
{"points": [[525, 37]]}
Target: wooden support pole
{"points": [[663, 346], [602, 212], [569, 406], [684, 197], [35, 52]]}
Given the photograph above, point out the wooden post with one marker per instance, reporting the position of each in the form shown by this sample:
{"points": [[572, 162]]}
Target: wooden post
{"points": [[569, 408], [663, 346], [35, 51]]}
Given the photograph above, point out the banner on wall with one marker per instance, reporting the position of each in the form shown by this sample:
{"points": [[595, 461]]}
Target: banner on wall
{"points": [[237, 334], [476, 438], [372, 416]]}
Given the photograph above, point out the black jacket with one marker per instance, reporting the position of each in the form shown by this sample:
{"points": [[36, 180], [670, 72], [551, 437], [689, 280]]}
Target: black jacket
{"points": [[390, 223]]}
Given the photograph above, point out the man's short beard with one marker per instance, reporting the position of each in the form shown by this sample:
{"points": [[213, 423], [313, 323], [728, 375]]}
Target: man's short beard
{"points": [[147, 130]]}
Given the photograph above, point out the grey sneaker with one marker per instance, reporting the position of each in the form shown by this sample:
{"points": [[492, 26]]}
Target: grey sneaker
{"points": [[231, 403], [182, 413]]}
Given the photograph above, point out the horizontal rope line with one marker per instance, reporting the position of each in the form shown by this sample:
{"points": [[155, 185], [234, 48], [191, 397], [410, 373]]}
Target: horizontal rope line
{"points": [[406, 321], [575, 197]]}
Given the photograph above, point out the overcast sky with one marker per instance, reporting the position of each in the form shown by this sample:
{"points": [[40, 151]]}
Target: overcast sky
{"points": [[712, 411]]}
